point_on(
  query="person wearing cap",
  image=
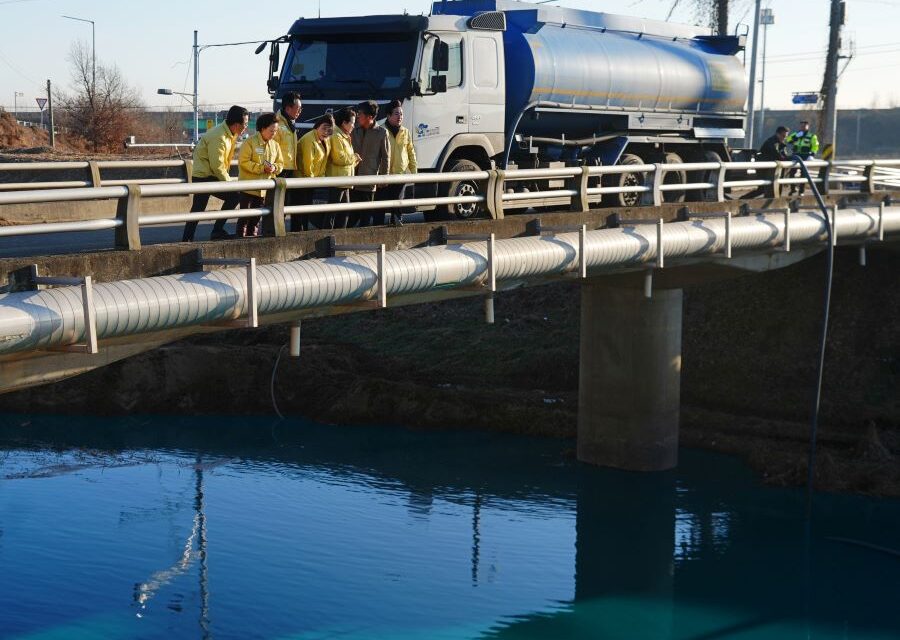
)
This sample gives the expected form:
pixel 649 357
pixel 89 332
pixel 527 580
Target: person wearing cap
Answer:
pixel 806 145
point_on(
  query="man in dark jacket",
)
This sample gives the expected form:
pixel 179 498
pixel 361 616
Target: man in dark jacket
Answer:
pixel 772 150
pixel 370 141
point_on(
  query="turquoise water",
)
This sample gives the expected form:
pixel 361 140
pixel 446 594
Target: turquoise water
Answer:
pixel 241 528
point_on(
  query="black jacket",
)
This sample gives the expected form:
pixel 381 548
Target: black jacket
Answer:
pixel 772 149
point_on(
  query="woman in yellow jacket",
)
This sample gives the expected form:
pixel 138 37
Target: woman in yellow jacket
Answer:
pixel 341 162
pixel 403 157
pixel 260 158
pixel 315 148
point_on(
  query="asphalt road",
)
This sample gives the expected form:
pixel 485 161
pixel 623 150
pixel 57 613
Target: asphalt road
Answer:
pixel 88 241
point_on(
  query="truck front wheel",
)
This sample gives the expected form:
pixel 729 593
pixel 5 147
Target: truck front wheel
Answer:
pixel 469 210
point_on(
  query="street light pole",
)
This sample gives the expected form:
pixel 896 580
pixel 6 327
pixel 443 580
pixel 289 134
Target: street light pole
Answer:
pixel 93 51
pixel 751 106
pixel 196 81
pixel 16 96
pixel 767 18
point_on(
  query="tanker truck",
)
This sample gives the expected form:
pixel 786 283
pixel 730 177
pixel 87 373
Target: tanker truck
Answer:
pixel 509 84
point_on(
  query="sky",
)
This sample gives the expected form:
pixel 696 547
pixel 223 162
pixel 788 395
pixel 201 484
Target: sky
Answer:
pixel 151 42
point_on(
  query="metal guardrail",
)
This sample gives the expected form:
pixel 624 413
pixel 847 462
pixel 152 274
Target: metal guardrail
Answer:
pixel 494 190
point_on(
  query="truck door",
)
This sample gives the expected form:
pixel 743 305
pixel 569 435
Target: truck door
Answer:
pixel 487 90
pixel 438 117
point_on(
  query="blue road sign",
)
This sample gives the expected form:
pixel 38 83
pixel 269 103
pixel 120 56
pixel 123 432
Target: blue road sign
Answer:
pixel 805 98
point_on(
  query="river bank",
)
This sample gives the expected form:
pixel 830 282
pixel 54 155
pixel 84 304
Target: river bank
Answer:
pixel 748 367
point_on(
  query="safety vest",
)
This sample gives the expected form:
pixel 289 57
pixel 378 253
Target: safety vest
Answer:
pixel 805 144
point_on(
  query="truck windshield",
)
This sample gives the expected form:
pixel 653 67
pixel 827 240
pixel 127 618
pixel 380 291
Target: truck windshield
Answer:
pixel 367 65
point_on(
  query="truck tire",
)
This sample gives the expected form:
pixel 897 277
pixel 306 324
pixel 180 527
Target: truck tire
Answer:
pixel 707 195
pixel 625 180
pixel 674 177
pixel 462 188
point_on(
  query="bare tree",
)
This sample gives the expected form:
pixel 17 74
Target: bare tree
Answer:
pixel 712 13
pixel 105 112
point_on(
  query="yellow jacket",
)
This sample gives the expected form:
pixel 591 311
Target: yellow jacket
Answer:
pixel 214 153
pixel 403 154
pixel 286 137
pixel 342 160
pixel 250 160
pixel 313 155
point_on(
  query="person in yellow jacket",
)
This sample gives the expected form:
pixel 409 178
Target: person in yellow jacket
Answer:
pixel 260 158
pixel 341 162
pixel 315 148
pixel 212 161
pixel 403 158
pixel 288 140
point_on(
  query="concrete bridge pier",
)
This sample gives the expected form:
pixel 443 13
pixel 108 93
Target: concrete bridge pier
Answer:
pixel 630 377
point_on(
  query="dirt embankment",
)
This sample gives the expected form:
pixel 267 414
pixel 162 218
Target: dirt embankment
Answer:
pixel 749 352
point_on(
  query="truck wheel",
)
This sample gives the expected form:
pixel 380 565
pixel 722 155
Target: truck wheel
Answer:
pixel 674 177
pixel 463 188
pixel 707 195
pixel 625 180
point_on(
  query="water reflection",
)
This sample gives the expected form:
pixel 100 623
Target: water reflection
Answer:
pixel 368 533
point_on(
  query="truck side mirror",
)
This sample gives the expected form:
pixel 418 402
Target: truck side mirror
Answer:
pixel 438 84
pixel 274 56
pixel 272 84
pixel 440 60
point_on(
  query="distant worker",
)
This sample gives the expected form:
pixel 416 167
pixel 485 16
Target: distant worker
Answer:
pixel 315 148
pixel 287 139
pixel 806 145
pixel 260 159
pixel 773 149
pixel 403 158
pixel 370 141
pixel 342 161
pixel 212 161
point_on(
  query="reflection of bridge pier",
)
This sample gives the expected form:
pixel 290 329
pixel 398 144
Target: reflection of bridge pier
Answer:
pixel 629 378
pixel 624 572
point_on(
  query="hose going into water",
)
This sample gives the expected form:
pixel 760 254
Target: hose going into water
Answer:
pixel 272 381
pixel 823 335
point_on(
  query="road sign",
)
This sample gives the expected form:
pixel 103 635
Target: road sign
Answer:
pixel 41 102
pixel 805 98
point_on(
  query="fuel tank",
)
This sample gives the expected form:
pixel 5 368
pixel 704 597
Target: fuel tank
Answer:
pixel 610 63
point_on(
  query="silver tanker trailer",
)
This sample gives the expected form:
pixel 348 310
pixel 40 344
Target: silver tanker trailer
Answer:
pixel 515 84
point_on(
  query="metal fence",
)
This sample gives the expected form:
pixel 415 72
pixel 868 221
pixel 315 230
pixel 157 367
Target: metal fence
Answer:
pixel 574 187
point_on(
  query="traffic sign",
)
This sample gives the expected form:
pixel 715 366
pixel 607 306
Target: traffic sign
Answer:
pixel 805 98
pixel 41 102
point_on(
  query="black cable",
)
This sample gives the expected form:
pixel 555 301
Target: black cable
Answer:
pixel 823 335
pixel 272 381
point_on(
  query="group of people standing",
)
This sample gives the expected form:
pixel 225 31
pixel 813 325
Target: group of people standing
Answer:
pixel 349 142
pixel 783 145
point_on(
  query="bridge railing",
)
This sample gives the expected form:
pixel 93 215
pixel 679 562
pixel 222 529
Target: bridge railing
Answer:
pixel 576 187
pixel 93 173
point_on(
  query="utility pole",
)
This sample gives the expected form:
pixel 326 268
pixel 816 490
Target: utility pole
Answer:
pixel 828 119
pixel 50 116
pixel 751 100
pixel 722 17
pixel 767 17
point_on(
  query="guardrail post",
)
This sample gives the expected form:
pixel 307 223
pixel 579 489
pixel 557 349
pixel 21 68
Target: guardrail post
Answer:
pixel 579 183
pixel 94 173
pixel 777 175
pixel 188 170
pixel 493 193
pixel 717 193
pixel 655 195
pixel 128 210
pixel 824 175
pixel 274 224
pixel 868 184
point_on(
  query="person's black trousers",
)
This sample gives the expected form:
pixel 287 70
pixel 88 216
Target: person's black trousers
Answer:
pixel 229 200
pixel 389 192
pixel 361 218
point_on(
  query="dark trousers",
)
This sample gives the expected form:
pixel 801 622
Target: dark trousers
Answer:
pixel 361 218
pixel 299 197
pixel 333 220
pixel 798 173
pixel 390 192
pixel 229 201
pixel 762 191
pixel 249 227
